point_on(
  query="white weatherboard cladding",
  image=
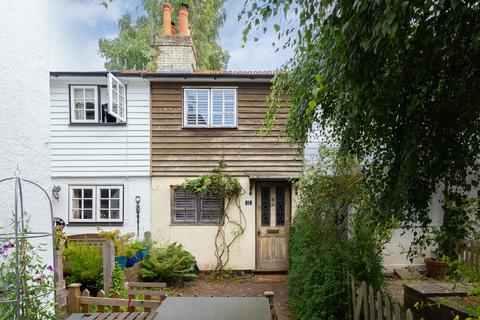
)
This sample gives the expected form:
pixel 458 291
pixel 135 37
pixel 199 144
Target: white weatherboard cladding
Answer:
pixel 100 150
pixel 132 187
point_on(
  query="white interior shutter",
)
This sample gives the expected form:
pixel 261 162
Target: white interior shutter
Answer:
pixel 117 98
pixel 224 107
pixel 196 107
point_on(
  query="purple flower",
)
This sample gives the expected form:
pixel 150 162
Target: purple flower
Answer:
pixel 8 246
pixel 39 278
pixel 50 268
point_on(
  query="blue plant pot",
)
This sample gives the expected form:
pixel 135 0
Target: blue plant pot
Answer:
pixel 122 261
pixel 131 261
pixel 142 253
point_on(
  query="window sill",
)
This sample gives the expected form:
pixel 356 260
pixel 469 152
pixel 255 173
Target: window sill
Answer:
pixel 186 224
pixel 209 128
pixel 109 124
pixel 93 224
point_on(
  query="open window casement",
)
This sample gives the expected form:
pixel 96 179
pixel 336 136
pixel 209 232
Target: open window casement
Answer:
pixel 117 99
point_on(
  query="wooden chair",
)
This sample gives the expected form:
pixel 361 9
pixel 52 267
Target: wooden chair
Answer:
pixel 147 290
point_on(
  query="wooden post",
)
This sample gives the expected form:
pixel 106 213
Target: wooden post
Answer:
pixel 108 265
pixel 269 296
pixel 101 294
pixel 147 236
pixel 84 307
pixel 73 305
pixel 116 308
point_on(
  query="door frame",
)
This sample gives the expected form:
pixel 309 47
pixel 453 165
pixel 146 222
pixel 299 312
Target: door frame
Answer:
pixel 289 190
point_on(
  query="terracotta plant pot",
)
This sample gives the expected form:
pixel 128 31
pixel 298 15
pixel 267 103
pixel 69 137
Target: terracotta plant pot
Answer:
pixel 436 268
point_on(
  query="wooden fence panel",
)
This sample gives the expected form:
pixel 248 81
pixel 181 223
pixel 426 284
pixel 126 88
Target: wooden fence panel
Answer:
pixel 375 305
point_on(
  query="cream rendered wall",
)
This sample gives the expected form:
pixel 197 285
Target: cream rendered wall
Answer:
pixel 200 240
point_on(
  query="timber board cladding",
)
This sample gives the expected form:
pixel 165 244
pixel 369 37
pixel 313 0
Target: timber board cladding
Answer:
pixel 185 152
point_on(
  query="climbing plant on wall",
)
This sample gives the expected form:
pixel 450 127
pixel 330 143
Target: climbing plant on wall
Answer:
pixel 225 186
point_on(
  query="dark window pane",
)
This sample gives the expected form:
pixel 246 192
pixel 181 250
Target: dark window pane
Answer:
pixel 115 193
pixel 280 206
pixel 265 195
pixel 104 214
pixel 104 193
pixel 104 204
pixel 87 193
pixel 87 214
pixel 90 115
pixel 115 214
pixel 88 204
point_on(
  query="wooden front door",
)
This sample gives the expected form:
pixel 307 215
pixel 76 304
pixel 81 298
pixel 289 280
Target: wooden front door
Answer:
pixel 273 220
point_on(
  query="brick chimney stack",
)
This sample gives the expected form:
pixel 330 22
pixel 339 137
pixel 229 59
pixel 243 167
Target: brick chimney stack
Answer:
pixel 175 51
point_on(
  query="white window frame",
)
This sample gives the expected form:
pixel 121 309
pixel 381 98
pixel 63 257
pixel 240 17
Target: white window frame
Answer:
pixel 72 103
pixel 210 108
pixel 114 86
pixel 95 203
pixel 98 215
pixel 71 217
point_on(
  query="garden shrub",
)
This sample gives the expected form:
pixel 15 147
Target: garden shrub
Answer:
pixel 168 263
pixel 334 233
pixel 83 263
pixel 118 281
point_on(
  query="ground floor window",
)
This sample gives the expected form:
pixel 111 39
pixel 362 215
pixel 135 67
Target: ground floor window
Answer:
pixel 195 208
pixel 96 203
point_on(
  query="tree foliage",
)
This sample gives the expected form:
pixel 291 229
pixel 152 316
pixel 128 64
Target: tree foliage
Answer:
pixel 395 83
pixel 334 233
pixel 132 50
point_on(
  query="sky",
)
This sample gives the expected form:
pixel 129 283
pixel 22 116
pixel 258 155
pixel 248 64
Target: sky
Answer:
pixel 76 26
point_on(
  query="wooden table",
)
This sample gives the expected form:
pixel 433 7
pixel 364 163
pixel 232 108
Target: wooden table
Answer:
pixel 214 308
pixel 110 316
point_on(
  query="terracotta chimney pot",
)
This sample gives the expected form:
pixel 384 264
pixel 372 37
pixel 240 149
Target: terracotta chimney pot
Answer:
pixel 183 20
pixel 167 19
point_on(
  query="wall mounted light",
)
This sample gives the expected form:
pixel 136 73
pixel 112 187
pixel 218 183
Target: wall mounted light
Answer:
pixel 55 192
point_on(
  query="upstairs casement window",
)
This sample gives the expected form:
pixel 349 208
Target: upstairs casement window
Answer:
pixel 99 104
pixel 195 208
pixel 91 204
pixel 210 108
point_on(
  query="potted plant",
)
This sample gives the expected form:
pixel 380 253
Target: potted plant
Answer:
pixel 121 245
pixel 436 268
pixel 141 248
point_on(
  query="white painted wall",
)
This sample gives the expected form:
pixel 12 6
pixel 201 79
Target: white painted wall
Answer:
pixel 93 150
pixel 24 100
pixel 102 155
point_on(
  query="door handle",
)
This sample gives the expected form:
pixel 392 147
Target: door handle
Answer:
pixel 258 233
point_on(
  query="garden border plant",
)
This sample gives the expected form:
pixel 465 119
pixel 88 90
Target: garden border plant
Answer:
pixel 228 188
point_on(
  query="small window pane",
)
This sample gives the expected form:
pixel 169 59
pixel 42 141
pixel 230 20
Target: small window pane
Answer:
pixel 115 214
pixel 265 197
pixel 114 204
pixel 104 204
pixel 77 193
pixel 87 214
pixel 79 115
pixel 104 214
pixel 88 204
pixel 104 193
pixel 90 105
pixel 280 206
pixel 79 104
pixel 90 115
pixel 77 214
pixel 89 93
pixel 76 203
pixel 115 193
pixel 87 193
pixel 78 93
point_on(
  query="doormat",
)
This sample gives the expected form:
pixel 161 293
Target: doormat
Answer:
pixel 270 278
